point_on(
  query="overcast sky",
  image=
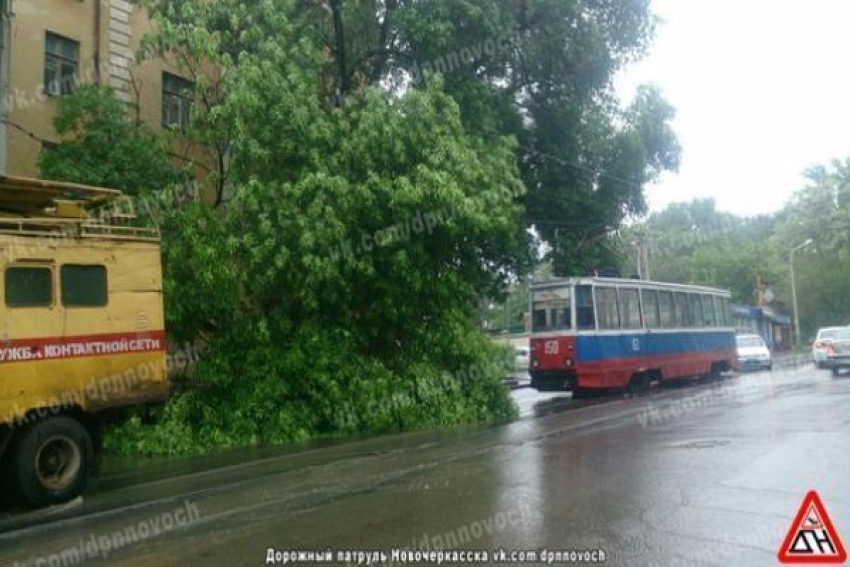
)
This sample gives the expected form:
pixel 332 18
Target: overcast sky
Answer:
pixel 761 90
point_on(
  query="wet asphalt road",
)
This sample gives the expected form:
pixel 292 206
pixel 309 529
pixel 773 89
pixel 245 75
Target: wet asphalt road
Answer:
pixel 707 474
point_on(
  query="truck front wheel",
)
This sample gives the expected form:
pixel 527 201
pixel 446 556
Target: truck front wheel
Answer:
pixel 52 461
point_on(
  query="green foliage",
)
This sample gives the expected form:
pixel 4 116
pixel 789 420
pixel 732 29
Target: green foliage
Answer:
pixel 335 288
pixel 102 145
pixel 820 211
pixel 316 384
pixel 541 72
pixel 365 203
pixel 695 243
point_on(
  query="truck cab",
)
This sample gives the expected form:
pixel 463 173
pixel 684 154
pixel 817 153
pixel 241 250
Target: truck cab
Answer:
pixel 81 330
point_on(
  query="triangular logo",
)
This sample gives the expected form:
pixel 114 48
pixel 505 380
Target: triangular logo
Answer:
pixel 812 537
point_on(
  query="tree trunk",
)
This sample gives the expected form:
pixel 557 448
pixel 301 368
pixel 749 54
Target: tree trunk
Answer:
pixel 380 62
pixel 339 33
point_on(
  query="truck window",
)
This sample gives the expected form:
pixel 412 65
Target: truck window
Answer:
pixel 84 286
pixel 29 286
pixel 585 317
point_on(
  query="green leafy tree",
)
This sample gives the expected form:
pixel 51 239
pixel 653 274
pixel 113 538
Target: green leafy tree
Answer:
pixel 821 212
pixel 697 244
pixel 540 71
pixel 335 286
pixel 102 145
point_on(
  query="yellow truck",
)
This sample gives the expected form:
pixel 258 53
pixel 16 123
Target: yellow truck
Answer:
pixel 81 330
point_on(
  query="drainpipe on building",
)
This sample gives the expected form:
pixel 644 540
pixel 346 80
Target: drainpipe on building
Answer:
pixel 5 59
pixel 97 24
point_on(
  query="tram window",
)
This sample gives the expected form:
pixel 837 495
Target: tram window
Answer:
pixel 696 309
pixel 560 316
pixel 606 308
pixel 585 317
pixel 538 320
pixel 551 308
pixel 708 319
pixel 727 312
pixel 718 312
pixel 683 310
pixel 666 310
pixel 630 309
pixel 650 308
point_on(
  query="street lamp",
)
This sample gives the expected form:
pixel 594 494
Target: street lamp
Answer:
pixel 796 329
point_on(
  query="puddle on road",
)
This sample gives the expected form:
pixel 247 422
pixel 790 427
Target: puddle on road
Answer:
pixel 559 405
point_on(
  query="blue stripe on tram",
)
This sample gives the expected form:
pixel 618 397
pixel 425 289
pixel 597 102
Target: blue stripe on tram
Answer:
pixel 596 348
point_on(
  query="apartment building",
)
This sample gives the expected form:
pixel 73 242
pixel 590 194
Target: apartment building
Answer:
pixel 50 46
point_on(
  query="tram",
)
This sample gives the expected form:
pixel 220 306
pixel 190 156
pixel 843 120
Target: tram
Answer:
pixel 595 335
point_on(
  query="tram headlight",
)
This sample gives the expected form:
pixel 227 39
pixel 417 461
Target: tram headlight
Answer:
pixel 568 362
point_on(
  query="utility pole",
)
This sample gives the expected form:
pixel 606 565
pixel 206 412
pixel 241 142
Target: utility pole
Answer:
pixel 796 329
pixel 639 260
pixel 642 259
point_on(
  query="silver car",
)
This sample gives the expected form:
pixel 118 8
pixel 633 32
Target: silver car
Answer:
pixel 823 338
pixel 838 351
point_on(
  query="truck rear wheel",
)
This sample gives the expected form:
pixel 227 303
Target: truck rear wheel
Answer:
pixel 52 461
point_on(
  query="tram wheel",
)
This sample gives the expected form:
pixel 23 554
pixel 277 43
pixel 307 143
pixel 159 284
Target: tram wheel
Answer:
pixel 639 385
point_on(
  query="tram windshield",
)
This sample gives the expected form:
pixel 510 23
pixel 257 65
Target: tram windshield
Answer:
pixel 551 309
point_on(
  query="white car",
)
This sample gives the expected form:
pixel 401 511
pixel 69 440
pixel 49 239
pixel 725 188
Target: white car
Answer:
pixel 824 337
pixel 519 374
pixel 521 359
pixel 753 354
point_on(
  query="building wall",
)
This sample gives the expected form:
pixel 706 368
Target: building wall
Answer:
pixel 106 56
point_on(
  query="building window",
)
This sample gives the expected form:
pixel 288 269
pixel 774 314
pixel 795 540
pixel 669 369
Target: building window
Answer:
pixel 29 286
pixel 177 94
pixel 61 57
pixel 84 286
